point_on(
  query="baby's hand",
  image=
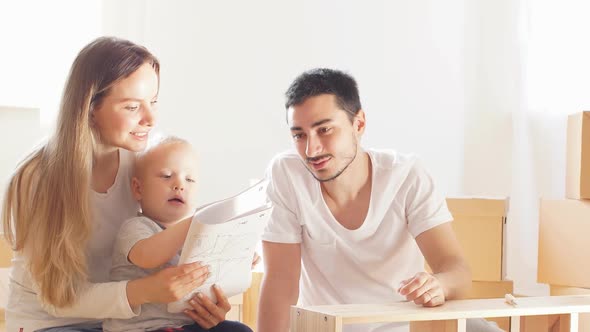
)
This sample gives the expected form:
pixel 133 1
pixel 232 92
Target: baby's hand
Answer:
pixel 255 260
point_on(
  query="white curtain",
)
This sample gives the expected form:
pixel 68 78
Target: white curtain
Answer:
pixel 531 71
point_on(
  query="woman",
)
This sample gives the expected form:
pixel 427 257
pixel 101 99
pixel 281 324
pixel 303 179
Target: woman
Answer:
pixel 65 202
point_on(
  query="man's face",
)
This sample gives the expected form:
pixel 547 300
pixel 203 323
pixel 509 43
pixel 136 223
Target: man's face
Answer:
pixel 325 138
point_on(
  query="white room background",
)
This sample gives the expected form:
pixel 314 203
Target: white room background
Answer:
pixel 479 90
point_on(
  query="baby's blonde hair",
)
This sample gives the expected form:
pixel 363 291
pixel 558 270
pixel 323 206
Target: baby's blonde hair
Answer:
pixel 143 155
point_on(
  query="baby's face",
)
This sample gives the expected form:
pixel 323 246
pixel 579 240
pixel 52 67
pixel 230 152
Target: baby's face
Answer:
pixel 166 183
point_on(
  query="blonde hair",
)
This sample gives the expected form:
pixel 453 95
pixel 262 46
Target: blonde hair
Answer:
pixel 46 212
pixel 141 157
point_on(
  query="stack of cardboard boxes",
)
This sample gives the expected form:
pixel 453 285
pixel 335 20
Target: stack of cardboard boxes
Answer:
pixel 480 226
pixel 564 225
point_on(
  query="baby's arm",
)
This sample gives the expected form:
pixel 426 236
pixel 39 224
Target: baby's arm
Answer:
pixel 160 248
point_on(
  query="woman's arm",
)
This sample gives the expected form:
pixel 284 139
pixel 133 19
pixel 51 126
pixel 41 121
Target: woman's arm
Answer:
pixel 206 313
pixel 160 248
pixel 97 301
pixel 451 275
pixel 122 299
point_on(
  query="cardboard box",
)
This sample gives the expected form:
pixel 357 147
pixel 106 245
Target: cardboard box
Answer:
pixel 5 257
pixel 5 252
pixel 564 252
pixel 251 299
pixel 541 323
pixel 479 226
pixel 577 173
pixel 584 319
pixel 492 290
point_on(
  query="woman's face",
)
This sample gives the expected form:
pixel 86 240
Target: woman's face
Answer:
pixel 126 114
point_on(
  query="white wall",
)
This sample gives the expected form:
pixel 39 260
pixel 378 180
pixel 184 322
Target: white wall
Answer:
pixel 224 71
pixel 226 65
pixel 39 40
pixel 19 133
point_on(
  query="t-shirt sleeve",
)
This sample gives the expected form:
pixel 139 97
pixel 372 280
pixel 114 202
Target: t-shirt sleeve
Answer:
pixel 283 225
pixel 426 208
pixel 131 232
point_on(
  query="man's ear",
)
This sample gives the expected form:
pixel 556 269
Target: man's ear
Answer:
pixel 136 188
pixel 360 122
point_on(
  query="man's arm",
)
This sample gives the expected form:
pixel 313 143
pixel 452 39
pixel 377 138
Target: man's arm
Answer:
pixel 445 257
pixel 159 248
pixel 280 286
pixel 451 276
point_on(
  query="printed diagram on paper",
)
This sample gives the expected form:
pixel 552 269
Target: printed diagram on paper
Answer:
pixel 227 248
pixel 224 235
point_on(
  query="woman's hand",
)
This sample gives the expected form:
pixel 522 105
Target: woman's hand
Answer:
pixel 168 285
pixel 424 289
pixel 206 313
pixel 255 260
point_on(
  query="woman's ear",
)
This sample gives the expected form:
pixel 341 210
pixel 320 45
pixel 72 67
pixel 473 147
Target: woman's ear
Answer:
pixel 136 188
pixel 91 117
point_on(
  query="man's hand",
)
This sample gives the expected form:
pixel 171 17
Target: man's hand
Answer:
pixel 424 289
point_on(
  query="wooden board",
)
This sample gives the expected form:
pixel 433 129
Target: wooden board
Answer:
pixel 251 298
pixel 458 309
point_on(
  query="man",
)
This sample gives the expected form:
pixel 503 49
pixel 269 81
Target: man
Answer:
pixel 351 225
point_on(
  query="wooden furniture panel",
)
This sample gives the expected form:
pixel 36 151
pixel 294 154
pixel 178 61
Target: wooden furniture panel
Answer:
pixel 332 318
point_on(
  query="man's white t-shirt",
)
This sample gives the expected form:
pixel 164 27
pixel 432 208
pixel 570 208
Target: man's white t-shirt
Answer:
pixel 365 265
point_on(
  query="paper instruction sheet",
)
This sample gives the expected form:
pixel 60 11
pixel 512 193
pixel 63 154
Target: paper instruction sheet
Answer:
pixel 224 235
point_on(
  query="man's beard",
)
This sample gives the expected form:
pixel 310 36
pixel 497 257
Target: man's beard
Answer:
pixel 350 160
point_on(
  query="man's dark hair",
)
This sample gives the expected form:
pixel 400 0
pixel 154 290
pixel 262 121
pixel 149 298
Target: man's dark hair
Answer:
pixel 325 81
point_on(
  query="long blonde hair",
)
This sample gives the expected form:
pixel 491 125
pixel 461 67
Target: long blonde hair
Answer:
pixel 46 212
